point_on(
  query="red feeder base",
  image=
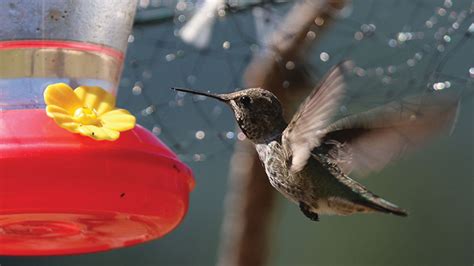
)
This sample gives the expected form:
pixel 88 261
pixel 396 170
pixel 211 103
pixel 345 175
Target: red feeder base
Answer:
pixel 62 193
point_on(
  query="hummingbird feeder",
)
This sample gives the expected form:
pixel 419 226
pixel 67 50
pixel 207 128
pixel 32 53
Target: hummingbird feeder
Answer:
pixel 76 174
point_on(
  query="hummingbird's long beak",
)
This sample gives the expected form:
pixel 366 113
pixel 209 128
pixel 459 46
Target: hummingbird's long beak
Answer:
pixel 219 97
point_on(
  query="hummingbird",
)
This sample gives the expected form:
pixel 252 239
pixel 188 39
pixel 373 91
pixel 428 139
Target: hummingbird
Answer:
pixel 309 159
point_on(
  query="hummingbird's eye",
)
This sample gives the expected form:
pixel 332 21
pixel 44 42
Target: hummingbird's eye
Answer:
pixel 245 100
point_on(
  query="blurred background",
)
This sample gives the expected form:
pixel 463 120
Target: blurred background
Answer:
pixel 399 48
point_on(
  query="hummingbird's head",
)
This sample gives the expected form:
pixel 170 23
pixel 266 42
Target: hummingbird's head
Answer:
pixel 257 111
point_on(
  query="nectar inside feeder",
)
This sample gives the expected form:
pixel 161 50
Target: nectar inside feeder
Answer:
pixel 76 175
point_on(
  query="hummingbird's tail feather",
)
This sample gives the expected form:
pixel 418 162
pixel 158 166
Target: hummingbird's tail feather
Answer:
pixel 361 196
pixel 378 204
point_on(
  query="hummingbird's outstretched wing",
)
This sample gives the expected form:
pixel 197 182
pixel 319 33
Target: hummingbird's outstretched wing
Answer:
pixel 306 128
pixel 368 141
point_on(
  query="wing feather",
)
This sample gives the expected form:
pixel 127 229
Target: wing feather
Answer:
pixel 368 141
pixel 306 129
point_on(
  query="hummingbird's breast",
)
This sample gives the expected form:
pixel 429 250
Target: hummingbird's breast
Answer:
pixel 274 159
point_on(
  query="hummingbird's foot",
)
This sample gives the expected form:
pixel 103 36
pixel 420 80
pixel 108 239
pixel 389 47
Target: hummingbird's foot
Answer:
pixel 306 211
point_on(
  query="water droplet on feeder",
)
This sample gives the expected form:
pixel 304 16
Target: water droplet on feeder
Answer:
pixel 229 135
pixel 311 35
pixel 441 12
pixel 319 21
pixel 148 111
pixel 324 56
pixel 170 57
pixel 418 56
pixel 290 65
pixel 391 69
pixel 136 90
pixel 392 43
pixel 200 135
pixel 402 37
pixel 181 5
pixel 367 29
pixel 358 35
pixel 156 130
pixel 199 157
pixel 181 18
pixel 448 3
pixel 364 28
pixel 439 86
pixel 226 45
pixel 221 12
pixel 241 136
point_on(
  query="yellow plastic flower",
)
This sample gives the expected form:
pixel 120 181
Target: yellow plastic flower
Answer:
pixel 89 111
